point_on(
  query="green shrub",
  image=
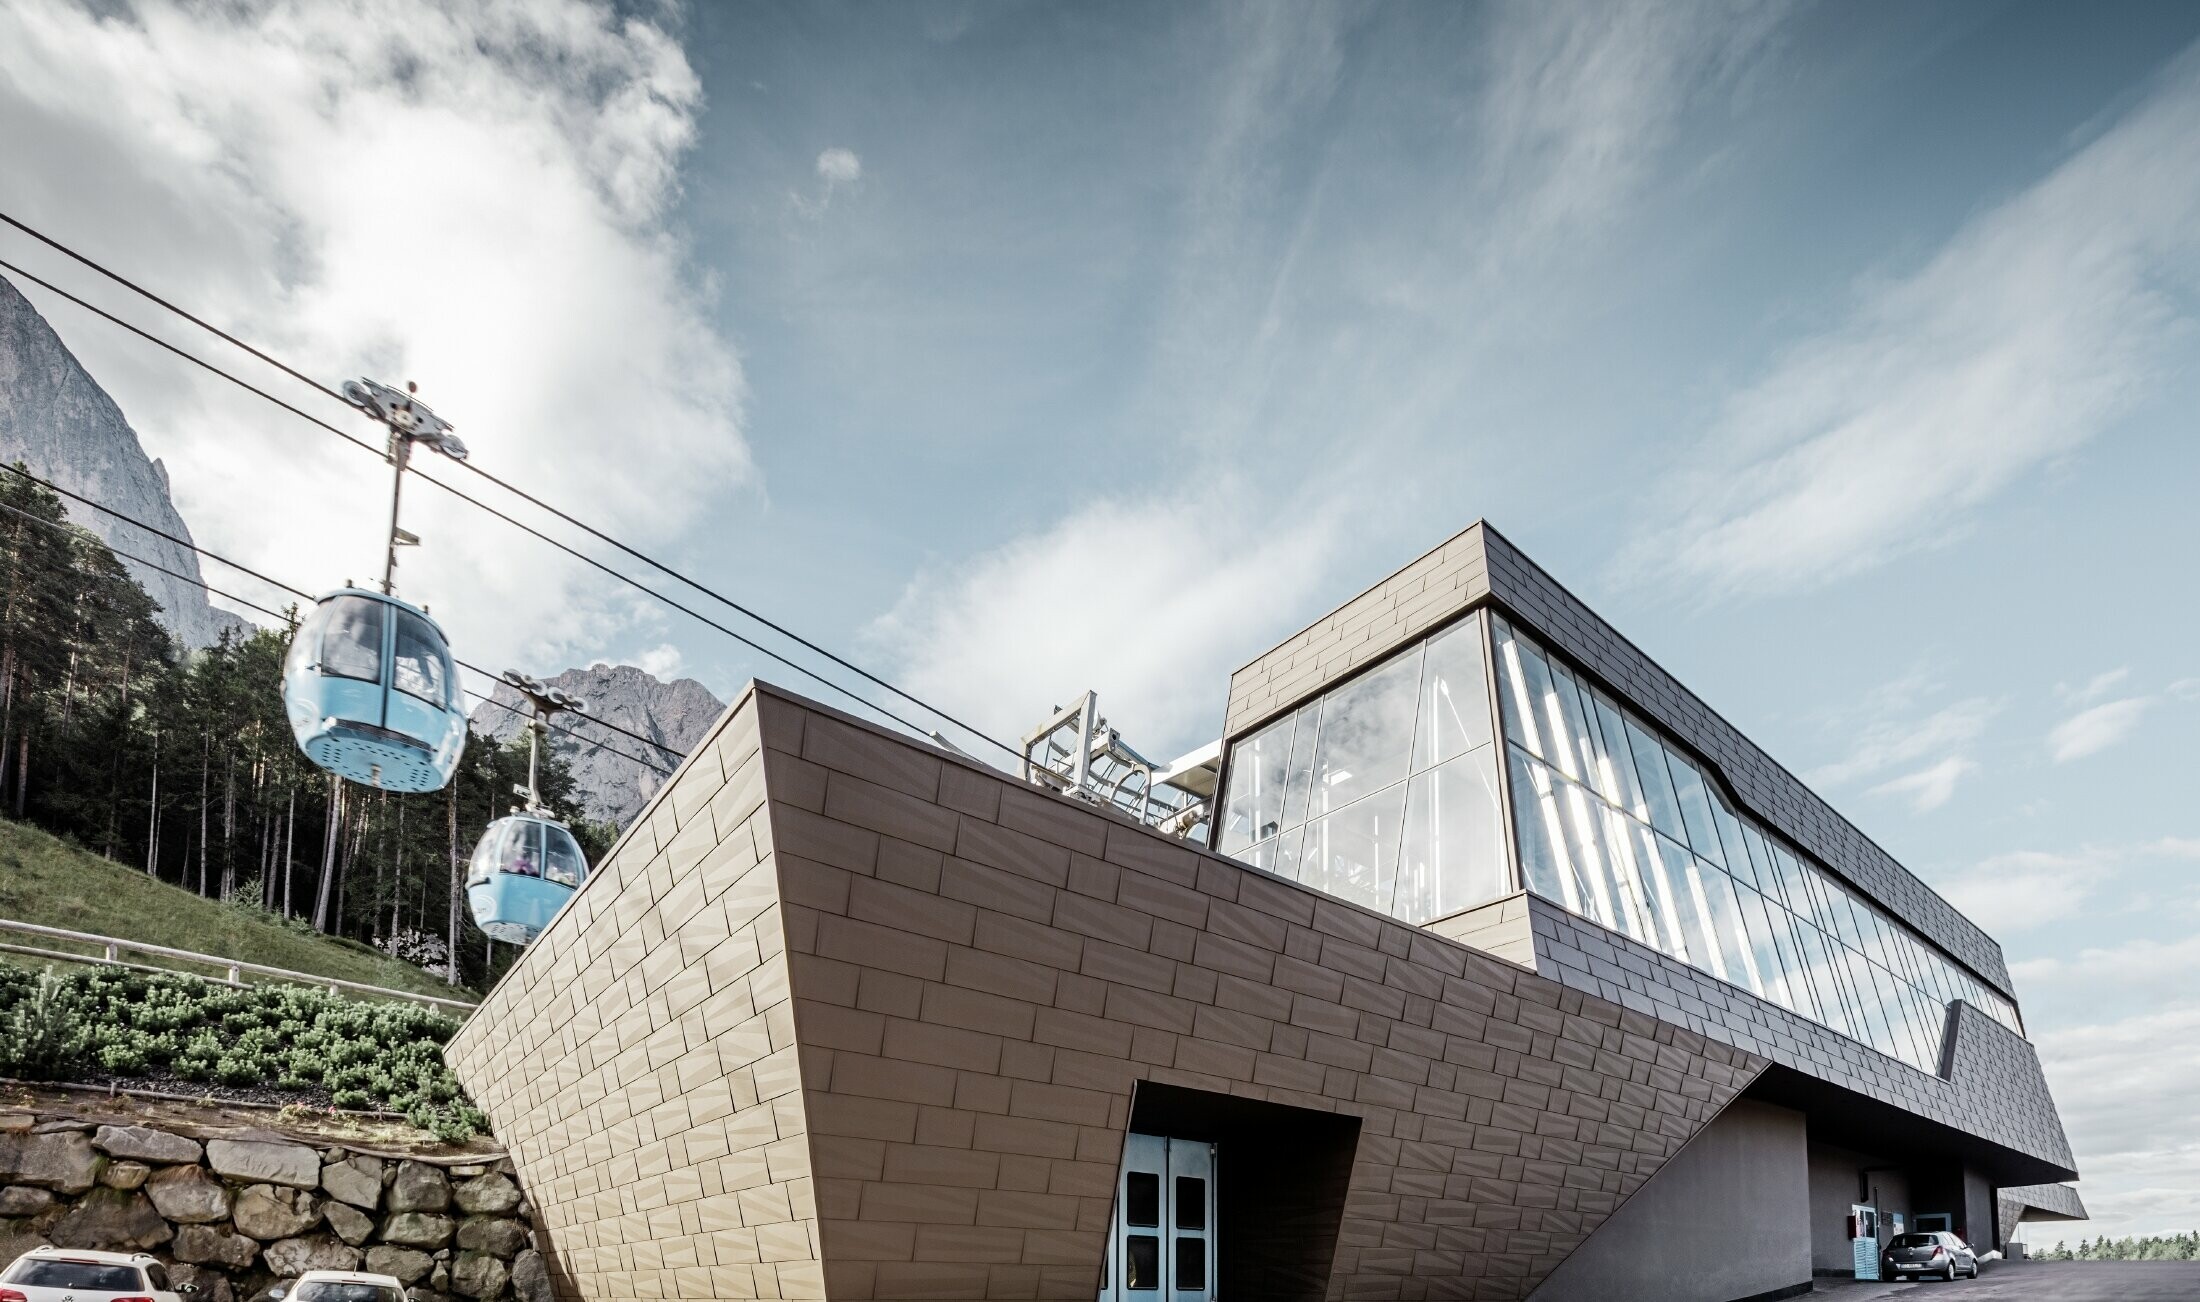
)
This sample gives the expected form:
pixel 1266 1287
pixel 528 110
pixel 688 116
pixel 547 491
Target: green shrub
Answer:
pixel 45 1029
pixel 366 1055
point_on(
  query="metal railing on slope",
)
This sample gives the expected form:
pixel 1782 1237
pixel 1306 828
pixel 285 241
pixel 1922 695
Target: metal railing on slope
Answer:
pixel 113 947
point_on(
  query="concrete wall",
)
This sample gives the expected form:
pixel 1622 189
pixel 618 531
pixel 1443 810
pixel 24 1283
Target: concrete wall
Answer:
pixel 1728 1217
pixel 1837 1177
pixel 917 1083
pixel 1833 1190
pixel 1977 1223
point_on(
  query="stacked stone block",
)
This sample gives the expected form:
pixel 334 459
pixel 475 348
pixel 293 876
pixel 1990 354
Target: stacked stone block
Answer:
pixel 235 1214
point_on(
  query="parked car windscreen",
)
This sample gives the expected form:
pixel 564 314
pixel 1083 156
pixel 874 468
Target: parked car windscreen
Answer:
pixel 329 1290
pixel 90 1276
pixel 1914 1241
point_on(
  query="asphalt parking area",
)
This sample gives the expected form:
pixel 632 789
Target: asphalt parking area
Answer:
pixel 2045 1281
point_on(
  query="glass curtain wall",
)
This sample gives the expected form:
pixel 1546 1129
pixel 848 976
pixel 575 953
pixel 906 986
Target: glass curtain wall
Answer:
pixel 1383 791
pixel 1622 828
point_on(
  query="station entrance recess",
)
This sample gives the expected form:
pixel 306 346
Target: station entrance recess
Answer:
pixel 1161 1247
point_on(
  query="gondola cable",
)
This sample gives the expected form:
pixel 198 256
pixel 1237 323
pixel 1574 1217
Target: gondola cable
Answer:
pixel 506 485
pixel 301 594
pixel 476 502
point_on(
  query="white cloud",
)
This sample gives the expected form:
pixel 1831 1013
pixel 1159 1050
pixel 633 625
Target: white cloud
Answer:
pixel 661 661
pixel 2091 731
pixel 1928 788
pixel 1004 638
pixel 2125 1093
pixel 1886 743
pixel 837 169
pixel 2138 973
pixel 2028 334
pixel 837 166
pixel 2095 687
pixel 473 197
pixel 2185 689
pixel 1579 105
pixel 2019 891
pixel 1570 120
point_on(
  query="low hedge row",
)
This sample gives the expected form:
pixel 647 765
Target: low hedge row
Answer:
pixel 358 1055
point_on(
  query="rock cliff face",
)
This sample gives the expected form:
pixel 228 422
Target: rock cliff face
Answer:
pixel 62 426
pixel 232 1214
pixel 613 790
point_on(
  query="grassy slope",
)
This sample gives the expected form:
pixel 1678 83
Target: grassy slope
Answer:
pixel 48 882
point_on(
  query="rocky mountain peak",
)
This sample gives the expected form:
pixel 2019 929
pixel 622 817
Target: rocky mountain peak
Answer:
pixel 63 427
pixel 675 714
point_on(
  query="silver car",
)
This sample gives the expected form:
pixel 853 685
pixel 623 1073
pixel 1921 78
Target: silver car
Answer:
pixel 1935 1252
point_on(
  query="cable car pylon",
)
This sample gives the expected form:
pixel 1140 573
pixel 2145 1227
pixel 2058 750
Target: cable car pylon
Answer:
pixel 527 864
pixel 369 684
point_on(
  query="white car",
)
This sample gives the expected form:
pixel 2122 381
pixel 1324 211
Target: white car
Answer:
pixel 336 1286
pixel 81 1275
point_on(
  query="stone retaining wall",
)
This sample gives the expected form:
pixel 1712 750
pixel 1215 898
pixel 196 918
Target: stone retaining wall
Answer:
pixel 234 1215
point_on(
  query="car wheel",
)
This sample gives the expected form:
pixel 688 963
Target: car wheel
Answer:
pixel 1951 1272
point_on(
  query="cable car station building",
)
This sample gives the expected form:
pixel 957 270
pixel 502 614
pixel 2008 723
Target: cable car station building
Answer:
pixel 1514 972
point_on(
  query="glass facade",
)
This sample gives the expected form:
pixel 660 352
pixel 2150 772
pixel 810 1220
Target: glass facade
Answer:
pixel 1384 791
pixel 1619 826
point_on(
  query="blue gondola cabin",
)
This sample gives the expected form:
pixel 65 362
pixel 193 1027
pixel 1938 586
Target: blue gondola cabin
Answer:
pixel 523 871
pixel 372 693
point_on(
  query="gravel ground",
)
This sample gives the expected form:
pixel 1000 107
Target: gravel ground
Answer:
pixel 2043 1281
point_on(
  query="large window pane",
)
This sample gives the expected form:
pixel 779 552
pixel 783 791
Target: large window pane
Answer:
pixel 1585 851
pixel 1800 996
pixel 1353 853
pixel 1791 880
pixel 1730 836
pixel 1516 698
pixel 1876 1031
pixel 1569 725
pixel 1657 782
pixel 1277 854
pixel 1726 924
pixel 1619 776
pixel 1535 824
pixel 1762 862
pixel 1703 833
pixel 1833 1004
pixel 351 645
pixel 1298 778
pixel 1678 886
pixel 1771 968
pixel 422 663
pixel 1630 881
pixel 1252 809
pixel 1367 734
pixel 1455 710
pixel 1658 890
pixel 1454 852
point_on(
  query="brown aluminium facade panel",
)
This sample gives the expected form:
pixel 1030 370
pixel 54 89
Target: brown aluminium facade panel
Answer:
pixel 639 1060
pixel 978 972
pixel 1479 564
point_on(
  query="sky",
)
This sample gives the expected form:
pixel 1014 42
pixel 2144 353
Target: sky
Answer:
pixel 1839 355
